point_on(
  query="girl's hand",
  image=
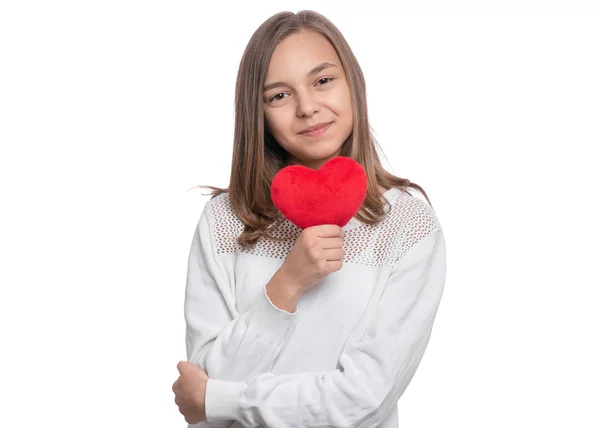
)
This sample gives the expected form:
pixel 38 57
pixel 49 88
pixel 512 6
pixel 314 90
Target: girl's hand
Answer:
pixel 317 253
pixel 190 392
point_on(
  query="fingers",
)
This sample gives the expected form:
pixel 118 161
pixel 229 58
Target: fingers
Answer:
pixel 329 231
pixel 329 243
pixel 334 254
pixel 334 265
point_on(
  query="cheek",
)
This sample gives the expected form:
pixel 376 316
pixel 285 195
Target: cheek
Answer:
pixel 342 103
pixel 277 124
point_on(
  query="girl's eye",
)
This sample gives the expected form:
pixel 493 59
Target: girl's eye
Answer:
pixel 329 79
pixel 274 97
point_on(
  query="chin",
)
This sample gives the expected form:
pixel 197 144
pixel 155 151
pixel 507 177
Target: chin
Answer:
pixel 316 151
pixel 316 157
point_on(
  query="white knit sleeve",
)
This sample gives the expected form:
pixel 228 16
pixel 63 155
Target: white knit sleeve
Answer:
pixel 226 344
pixel 374 369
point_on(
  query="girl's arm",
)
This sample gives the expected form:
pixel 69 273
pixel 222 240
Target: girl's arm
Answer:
pixel 226 344
pixel 373 371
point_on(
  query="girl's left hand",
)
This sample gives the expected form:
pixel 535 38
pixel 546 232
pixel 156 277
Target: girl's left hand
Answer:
pixel 190 392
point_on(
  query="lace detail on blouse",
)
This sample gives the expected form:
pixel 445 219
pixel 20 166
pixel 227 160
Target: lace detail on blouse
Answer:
pixel 408 221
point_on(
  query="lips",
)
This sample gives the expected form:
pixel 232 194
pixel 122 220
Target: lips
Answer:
pixel 317 133
pixel 316 128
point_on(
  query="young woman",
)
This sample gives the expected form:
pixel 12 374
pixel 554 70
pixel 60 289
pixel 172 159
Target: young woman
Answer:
pixel 321 327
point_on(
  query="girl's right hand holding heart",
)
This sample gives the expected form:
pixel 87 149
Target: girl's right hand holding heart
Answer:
pixel 318 251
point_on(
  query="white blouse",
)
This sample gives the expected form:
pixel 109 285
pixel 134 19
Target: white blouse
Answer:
pixel 351 348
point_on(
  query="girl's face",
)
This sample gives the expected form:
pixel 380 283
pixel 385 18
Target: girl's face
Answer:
pixel 306 86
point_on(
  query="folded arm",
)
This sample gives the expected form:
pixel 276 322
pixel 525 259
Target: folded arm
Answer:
pixel 373 371
pixel 226 344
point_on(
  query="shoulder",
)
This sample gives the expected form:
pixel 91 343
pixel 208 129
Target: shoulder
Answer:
pixel 410 219
pixel 415 211
pixel 224 224
pixel 219 205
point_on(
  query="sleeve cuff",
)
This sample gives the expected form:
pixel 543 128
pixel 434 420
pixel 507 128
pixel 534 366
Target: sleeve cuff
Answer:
pixel 267 320
pixel 222 400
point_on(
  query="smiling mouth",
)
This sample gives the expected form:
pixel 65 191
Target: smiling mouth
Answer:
pixel 316 132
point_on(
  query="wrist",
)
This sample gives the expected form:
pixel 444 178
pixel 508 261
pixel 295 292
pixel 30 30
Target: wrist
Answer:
pixel 282 292
pixel 288 283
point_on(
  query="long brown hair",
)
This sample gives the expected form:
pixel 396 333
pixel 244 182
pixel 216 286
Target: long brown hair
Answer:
pixel 257 157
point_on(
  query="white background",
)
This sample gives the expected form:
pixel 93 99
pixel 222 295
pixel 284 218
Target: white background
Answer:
pixel 110 111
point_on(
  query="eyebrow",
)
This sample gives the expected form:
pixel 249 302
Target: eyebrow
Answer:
pixel 315 70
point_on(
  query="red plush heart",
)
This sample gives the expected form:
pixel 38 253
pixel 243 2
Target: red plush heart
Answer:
pixel 333 194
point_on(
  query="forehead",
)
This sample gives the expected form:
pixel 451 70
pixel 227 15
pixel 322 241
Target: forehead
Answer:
pixel 300 52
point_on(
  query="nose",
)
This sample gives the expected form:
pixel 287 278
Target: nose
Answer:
pixel 307 104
